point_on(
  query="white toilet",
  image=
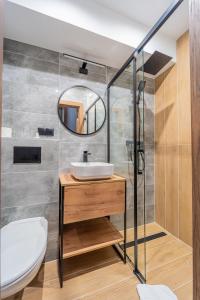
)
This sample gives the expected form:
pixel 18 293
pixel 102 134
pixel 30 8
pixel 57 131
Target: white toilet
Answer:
pixel 23 247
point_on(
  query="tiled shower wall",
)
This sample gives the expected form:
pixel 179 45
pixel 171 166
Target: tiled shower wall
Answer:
pixel 33 79
pixel 121 107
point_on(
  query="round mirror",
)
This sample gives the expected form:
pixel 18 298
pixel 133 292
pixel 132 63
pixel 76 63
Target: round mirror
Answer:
pixel 81 110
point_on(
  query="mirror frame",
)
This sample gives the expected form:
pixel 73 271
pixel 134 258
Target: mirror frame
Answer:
pixel 81 134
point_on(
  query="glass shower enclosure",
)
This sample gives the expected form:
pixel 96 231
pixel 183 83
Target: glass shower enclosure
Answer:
pixel 126 151
pixel 126 145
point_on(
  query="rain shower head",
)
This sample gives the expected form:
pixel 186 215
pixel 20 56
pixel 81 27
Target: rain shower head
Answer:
pixel 155 63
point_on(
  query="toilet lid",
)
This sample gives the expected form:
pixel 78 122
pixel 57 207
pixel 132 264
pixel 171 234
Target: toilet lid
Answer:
pixel 22 244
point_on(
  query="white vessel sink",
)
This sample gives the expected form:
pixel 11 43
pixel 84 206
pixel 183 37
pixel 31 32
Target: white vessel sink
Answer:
pixel 91 170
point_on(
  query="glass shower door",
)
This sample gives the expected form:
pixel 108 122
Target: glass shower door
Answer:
pixel 139 169
pixel 126 152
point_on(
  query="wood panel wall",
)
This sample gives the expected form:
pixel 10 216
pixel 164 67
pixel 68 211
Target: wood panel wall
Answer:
pixel 173 175
pixel 194 27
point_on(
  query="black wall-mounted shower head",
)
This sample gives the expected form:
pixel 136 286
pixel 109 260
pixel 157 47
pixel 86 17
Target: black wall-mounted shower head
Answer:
pixel 83 69
pixel 141 87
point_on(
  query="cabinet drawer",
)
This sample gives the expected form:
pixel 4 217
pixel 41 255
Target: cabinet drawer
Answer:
pixel 88 201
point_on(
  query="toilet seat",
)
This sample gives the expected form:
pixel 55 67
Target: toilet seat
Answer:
pixel 23 246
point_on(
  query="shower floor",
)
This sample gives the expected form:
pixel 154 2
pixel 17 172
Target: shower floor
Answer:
pixel 166 253
pixel 101 275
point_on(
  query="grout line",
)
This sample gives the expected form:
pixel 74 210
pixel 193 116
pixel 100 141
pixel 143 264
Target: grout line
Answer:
pixel 171 261
pixel 98 291
pixel 178 121
pixel 30 112
pixel 33 139
pixel 165 154
pixel 154 149
pixel 182 285
pixel 32 171
pixel 72 70
pixel 31 205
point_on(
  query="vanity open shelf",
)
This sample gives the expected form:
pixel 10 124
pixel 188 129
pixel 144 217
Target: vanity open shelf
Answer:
pixel 85 208
pixel 86 236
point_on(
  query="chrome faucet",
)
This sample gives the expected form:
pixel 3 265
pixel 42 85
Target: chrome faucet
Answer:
pixel 85 156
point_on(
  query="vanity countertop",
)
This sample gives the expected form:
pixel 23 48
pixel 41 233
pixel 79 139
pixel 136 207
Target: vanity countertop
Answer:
pixel 67 179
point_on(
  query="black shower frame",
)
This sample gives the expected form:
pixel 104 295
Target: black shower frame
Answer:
pixel 133 58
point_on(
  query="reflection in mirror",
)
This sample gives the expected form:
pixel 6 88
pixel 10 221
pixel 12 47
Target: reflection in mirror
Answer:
pixel 81 110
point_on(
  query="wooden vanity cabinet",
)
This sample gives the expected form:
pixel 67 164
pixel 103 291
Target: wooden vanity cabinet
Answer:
pixel 93 199
pixel 84 210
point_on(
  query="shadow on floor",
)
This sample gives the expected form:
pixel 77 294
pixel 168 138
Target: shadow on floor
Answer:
pixel 47 276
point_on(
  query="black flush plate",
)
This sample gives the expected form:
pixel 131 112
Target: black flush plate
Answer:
pixel 26 155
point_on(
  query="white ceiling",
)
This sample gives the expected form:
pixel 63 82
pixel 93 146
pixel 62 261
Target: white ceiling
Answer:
pixel 31 27
pixel 147 12
pixel 105 31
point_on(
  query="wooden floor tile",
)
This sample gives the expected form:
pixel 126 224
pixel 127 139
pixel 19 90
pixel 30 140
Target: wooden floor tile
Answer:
pixel 101 275
pixel 126 290
pixel 174 274
pixel 185 292
pixel 161 252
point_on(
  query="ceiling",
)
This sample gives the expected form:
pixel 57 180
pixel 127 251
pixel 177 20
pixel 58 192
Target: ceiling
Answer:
pixel 98 30
pixel 147 12
pixel 40 29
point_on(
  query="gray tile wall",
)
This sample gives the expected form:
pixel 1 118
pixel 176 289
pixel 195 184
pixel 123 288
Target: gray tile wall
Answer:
pixel 121 98
pixel 33 80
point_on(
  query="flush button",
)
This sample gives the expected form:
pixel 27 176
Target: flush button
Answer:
pixel 26 155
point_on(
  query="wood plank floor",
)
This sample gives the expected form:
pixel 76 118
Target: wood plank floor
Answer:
pixel 101 275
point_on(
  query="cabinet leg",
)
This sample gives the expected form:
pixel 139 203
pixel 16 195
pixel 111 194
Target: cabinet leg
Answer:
pixel 60 262
pixel 125 238
pixel 125 224
pixel 61 271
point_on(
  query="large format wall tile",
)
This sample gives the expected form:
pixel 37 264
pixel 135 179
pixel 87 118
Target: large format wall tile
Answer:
pixel 33 81
pixel 42 73
pixel 74 65
pixel 92 77
pixel 32 51
pixel 149 126
pixel 50 211
pixel 26 124
pixel 122 130
pixel 68 137
pixel 49 155
pixel 28 188
pixel 25 69
pixel 14 69
pixel 73 152
pixel 19 96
